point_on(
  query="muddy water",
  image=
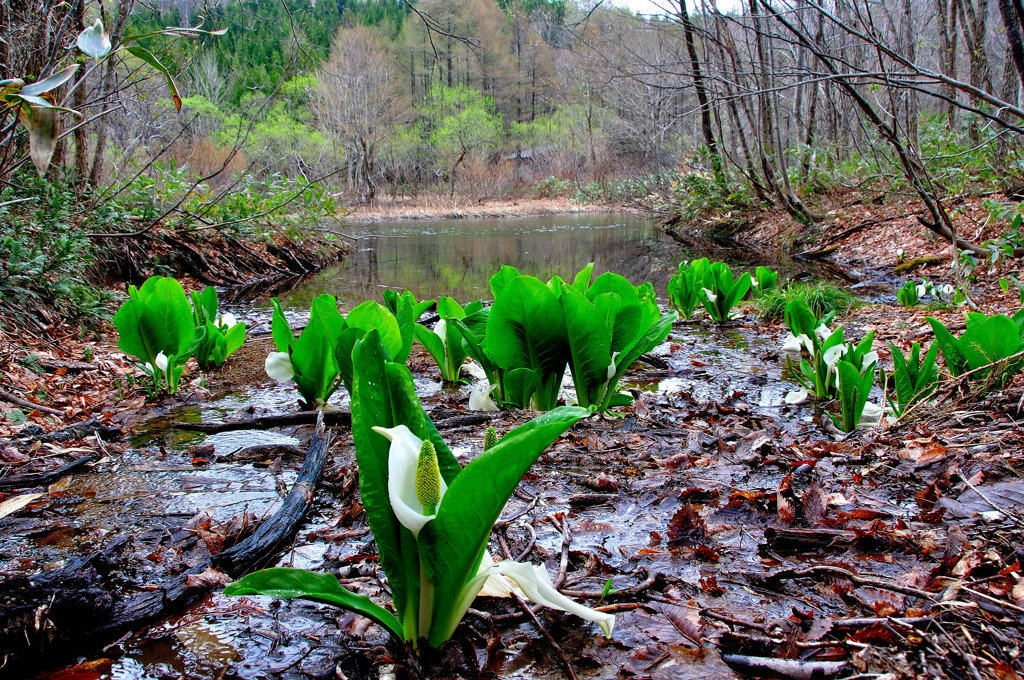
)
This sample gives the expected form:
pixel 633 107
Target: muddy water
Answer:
pixel 679 418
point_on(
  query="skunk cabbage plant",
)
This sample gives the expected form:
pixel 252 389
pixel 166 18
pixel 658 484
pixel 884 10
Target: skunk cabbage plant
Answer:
pixel 825 347
pixel 222 335
pixel 908 294
pixel 320 359
pixel 155 325
pixel 684 286
pixel 914 379
pixel 854 387
pixel 431 519
pixel 445 342
pixel 986 340
pixel 764 279
pixel 721 292
pixel 609 324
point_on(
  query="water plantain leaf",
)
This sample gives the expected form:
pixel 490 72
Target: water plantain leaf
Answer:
pixel 286 583
pixel 456 539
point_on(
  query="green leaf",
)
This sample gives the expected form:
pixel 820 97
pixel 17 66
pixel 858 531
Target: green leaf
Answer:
pixel 137 331
pixel 800 318
pixel 526 329
pixel 452 544
pixel 518 386
pixel 279 328
pixel 287 583
pixel 501 279
pixel 588 327
pixel 956 362
pixel 989 340
pixel 147 56
pixel 372 315
pixel 172 313
pixel 51 83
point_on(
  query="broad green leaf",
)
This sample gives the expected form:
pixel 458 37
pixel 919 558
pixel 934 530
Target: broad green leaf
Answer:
pixel 800 318
pixel 288 583
pixel 501 279
pixel 431 342
pixel 51 83
pixel 371 315
pixel 279 328
pixel 588 327
pixel 629 316
pixel 518 387
pixel 171 312
pixel 137 330
pixel 234 338
pixel 956 362
pixel 581 282
pixel 452 544
pixel 989 340
pixel 148 57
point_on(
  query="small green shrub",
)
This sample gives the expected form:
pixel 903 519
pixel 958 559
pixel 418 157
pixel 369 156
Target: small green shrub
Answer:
pixel 823 297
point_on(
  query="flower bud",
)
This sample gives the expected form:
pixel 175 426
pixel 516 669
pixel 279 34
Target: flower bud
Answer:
pixel 490 439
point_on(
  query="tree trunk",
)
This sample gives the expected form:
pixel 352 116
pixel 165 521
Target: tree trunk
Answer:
pixel 107 85
pixel 1013 21
pixel 702 94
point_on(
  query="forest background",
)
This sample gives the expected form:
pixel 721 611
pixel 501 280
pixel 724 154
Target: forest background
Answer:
pixel 299 108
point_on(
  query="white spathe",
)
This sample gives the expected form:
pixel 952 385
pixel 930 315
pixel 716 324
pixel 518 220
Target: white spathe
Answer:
pixel 161 364
pixel 226 320
pixel 797 396
pixel 922 290
pixel 279 366
pixel 869 358
pixel 480 399
pixel 823 332
pixel 833 354
pixel 403 456
pixel 794 343
pixel 474 370
pixel 441 331
pixel 872 414
pixel 712 298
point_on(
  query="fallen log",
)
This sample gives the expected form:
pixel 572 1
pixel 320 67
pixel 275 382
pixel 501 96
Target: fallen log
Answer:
pixel 796 669
pixel 257 550
pixel 32 406
pixel 267 422
pixel 800 540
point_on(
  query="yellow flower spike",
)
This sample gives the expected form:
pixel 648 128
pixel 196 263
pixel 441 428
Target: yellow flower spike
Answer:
pixel 428 478
pixel 490 439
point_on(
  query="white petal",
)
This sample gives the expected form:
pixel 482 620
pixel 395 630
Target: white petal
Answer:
pixel 797 396
pixel 161 361
pixel 899 252
pixel 536 583
pixel 496 585
pixel 833 354
pixel 480 399
pixel 402 458
pixel 869 358
pixel 611 366
pixel 753 283
pixel 226 320
pixel 440 329
pixel 279 366
pixel 808 343
pixel 872 414
pixel 711 296
pixel 792 344
pixel 921 291
pixel 823 332
pixel 474 370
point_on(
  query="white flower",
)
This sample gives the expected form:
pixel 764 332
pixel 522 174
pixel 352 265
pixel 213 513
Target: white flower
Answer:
pixel 226 320
pixel 947 289
pixel 922 290
pixel 611 366
pixel 161 365
pixel 869 358
pixel 474 370
pixel 872 414
pixel 833 354
pixel 534 581
pixel 753 283
pixel 899 253
pixel 711 296
pixel 403 456
pixel 793 343
pixel 480 399
pixel 797 396
pixel 440 330
pixel 279 366
pixel 823 332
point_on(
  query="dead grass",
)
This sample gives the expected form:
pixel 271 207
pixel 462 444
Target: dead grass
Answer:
pixel 443 207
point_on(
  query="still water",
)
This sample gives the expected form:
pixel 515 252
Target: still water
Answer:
pixel 458 257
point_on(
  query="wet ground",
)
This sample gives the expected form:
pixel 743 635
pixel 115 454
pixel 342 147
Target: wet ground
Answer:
pixel 728 525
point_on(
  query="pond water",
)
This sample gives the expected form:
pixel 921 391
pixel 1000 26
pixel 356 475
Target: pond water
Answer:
pixel 457 258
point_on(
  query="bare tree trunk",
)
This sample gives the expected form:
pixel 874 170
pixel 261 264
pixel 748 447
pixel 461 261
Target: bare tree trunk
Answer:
pixel 945 10
pixel 81 138
pixel 107 86
pixel 702 93
pixel 1013 21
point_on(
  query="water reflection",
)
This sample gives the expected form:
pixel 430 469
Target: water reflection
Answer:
pixel 458 257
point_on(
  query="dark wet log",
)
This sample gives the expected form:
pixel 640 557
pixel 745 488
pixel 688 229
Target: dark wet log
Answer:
pixel 262 452
pixel 278 531
pixel 52 365
pixel 591 498
pixel 24 403
pixel 767 667
pixel 799 540
pixel 654 361
pixel 474 418
pixel 267 422
pixel 82 430
pixel 30 480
